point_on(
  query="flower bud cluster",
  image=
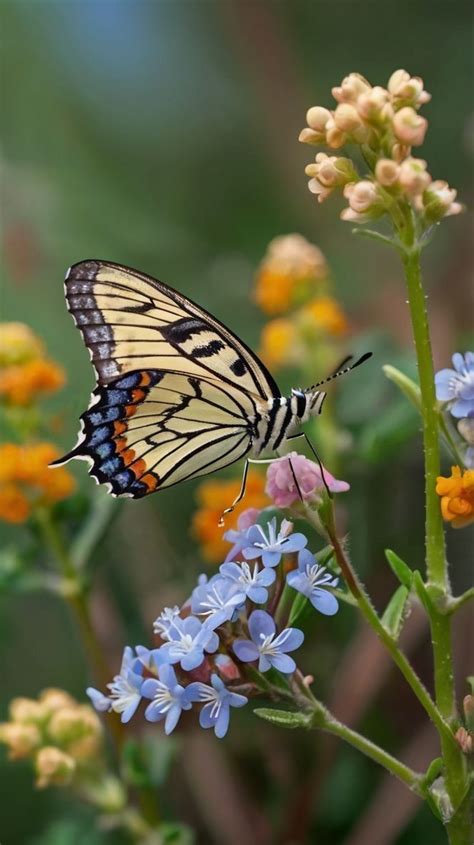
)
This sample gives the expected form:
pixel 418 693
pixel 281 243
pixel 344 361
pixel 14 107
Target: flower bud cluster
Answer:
pixel 60 736
pixel 385 124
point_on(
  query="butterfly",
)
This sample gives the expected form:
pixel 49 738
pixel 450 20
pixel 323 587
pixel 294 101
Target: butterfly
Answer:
pixel 178 394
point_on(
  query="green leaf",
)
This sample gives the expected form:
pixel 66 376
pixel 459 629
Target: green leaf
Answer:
pixel 407 386
pixel 284 718
pixel 147 763
pixel 299 609
pixel 400 569
pixel 173 833
pixel 434 769
pixel 395 612
pixel 103 510
pixel 422 592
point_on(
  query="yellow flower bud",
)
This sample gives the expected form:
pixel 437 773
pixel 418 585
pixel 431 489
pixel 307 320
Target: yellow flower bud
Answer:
pixel 317 118
pixel 386 172
pixel 53 767
pixel 72 723
pixel 28 711
pixel 55 699
pixel 409 127
pixel 351 88
pixel 18 344
pixel 21 739
pixel 413 176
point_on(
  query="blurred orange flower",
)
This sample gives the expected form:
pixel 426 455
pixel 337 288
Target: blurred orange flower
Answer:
pixel 290 271
pixel 326 314
pixel 277 342
pixel 213 497
pixel 24 370
pixel 457 497
pixel 26 479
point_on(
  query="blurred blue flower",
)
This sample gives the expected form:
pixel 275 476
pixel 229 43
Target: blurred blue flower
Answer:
pixel 253 583
pixel 168 698
pixel 271 545
pixel 217 701
pixel 219 599
pixel 238 536
pixel 188 640
pixel 312 581
pixel 165 621
pixel 268 649
pixel 125 689
pixel 457 385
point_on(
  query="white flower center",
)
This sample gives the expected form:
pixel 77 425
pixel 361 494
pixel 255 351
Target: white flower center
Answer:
pixel 163 697
pixel 317 575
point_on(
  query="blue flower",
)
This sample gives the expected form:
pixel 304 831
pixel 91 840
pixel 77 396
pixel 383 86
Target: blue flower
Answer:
pixel 253 583
pixel 125 689
pixel 168 698
pixel 270 546
pixel 188 640
pixel 165 621
pixel 238 536
pixel 217 701
pixel 457 385
pixel 268 649
pixel 312 581
pixel 220 600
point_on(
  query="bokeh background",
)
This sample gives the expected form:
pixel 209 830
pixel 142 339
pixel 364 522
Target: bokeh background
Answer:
pixel 163 135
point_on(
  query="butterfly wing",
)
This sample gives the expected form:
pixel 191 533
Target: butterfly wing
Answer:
pixel 130 321
pixel 150 429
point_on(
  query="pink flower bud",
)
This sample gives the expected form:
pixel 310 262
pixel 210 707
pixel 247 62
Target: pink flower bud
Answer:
pixel 53 766
pixel 281 483
pixel 329 172
pixel 371 105
pixel 346 117
pixel 413 177
pixel 409 127
pixel 438 201
pixel 362 195
pixel 386 172
pixel 335 138
pixel 407 89
pixel 308 136
pixel 351 88
pixel 317 118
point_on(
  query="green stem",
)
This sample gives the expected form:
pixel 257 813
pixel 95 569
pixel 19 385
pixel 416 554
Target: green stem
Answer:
pixel 324 720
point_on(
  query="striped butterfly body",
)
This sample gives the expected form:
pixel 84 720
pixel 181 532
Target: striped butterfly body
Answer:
pixel 178 395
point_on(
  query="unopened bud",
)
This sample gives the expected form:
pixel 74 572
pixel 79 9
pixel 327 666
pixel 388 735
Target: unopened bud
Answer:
pixel 308 136
pixel 407 89
pixel 346 118
pixel 27 710
pixel 386 172
pixel 72 723
pixel 468 707
pixel 414 177
pixel 21 739
pixel 465 740
pixel 54 699
pixel 371 106
pixel 351 88
pixel 53 766
pixel 439 201
pixel 400 152
pixel 361 195
pixel 335 137
pixel 317 118
pixel 410 127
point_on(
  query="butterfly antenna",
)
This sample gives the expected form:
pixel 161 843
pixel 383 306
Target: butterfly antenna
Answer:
pixel 342 370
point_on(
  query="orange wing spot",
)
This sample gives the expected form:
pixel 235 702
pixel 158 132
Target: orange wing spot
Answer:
pixel 128 456
pixel 138 395
pixel 151 480
pixel 130 410
pixel 120 444
pixel 138 467
pixel 146 379
pixel 119 427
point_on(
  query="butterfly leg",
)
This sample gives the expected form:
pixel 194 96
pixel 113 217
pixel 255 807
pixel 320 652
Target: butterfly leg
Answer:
pixel 311 446
pixel 243 485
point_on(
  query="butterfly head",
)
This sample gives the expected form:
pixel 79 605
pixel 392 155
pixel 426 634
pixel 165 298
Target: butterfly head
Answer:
pixel 307 403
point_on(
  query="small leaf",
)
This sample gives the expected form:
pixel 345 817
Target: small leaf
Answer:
pixel 284 718
pixel 395 612
pixel 405 384
pixel 433 771
pixel 400 569
pixel 174 833
pixel 299 610
pixel 421 591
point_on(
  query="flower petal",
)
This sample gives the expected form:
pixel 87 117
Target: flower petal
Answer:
pixel 245 650
pixel 283 663
pixel 325 602
pixel 260 624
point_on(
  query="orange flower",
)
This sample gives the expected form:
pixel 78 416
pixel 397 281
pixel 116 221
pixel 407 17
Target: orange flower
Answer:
pixel 289 272
pixel 277 343
pixel 325 314
pixel 457 497
pixel 18 344
pixel 21 383
pixel 213 497
pixel 26 479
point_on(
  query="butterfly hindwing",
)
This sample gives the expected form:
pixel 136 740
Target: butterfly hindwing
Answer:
pixel 151 429
pixel 130 321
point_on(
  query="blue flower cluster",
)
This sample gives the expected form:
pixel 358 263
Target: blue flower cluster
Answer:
pixel 455 387
pixel 206 641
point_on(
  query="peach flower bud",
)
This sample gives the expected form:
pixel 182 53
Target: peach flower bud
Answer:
pixel 409 127
pixel 28 711
pixel 346 117
pixel 53 766
pixel 362 195
pixel 55 699
pixel 438 201
pixel 335 138
pixel 414 177
pixel 21 739
pixel 309 136
pixel 351 88
pixel 317 118
pixel 386 172
pixel 465 740
pixel 407 89
pixel 371 106
pixel 329 172
pixel 400 152
pixel 72 723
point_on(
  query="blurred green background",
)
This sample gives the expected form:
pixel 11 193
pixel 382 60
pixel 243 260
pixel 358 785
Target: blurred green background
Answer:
pixel 163 135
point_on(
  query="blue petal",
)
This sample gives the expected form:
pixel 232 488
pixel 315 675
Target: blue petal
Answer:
pixel 222 722
pixel 294 543
pixel 283 663
pixel 100 701
pixel 458 362
pixel 206 720
pixel 245 650
pixel 167 676
pixel 264 664
pixel 289 639
pixel 325 602
pixel 192 660
pixel 266 577
pixel 251 552
pixel 271 558
pixel 172 718
pixel 258 595
pixel 305 558
pixel 153 713
pixel 444 386
pixel 237 700
pixel 260 623
pixel 130 710
pixel 462 408
pixel 149 688
pixel 193 692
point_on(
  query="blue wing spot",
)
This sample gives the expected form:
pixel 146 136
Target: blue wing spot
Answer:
pixel 99 435
pixel 107 415
pixel 104 450
pixel 116 397
pixel 124 478
pixel 111 466
pixel 131 380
